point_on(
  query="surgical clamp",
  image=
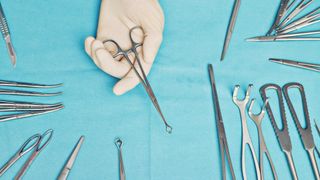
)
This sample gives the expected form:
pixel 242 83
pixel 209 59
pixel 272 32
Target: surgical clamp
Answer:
pixel 282 134
pixel 305 133
pixel 223 143
pixel 263 150
pixel 69 164
pixel 6 36
pixel 281 12
pixel 231 26
pixel 119 144
pixel 33 143
pixel 143 79
pixel 302 65
pixel 246 140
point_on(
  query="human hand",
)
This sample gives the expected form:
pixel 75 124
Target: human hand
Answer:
pixel 116 18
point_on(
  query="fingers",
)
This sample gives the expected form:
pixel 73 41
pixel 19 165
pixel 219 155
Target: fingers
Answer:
pixel 125 85
pixel 151 46
pixel 104 60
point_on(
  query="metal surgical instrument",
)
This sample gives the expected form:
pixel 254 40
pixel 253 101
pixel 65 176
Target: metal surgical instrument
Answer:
pixel 282 134
pixel 143 78
pixel 318 130
pixel 119 144
pixel 302 65
pixel 281 12
pixel 69 164
pixel 231 26
pixel 6 36
pixel 305 133
pixel 246 140
pixel 33 143
pixel 263 150
pixel 41 144
pixel 223 143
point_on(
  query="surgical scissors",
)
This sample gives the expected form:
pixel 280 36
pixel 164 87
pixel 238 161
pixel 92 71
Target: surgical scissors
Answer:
pixel 283 133
pixel 69 164
pixel 223 143
pixel 143 79
pixel 231 26
pixel 41 144
pixel 246 140
pixel 6 36
pixel 263 150
pixel 302 65
pixel 118 143
pixel 305 133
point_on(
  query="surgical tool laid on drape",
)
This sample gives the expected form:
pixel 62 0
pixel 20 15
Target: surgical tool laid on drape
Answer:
pixel 263 150
pixel 286 23
pixel 283 133
pixel 122 173
pixel 26 109
pixel 246 140
pixel 6 36
pixel 223 143
pixel 69 164
pixel 33 143
pixel 302 65
pixel 318 130
pixel 305 133
pixel 230 29
pixel 138 71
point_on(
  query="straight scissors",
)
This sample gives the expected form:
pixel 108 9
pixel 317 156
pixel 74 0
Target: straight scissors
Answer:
pixel 223 143
pixel 143 79
pixel 283 133
pixel 246 139
pixel 305 133
pixel 33 143
pixel 302 65
pixel 257 119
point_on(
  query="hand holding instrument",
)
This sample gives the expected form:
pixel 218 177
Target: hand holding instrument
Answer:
pixel 302 65
pixel 305 133
pixel 37 149
pixel 223 143
pixel 6 36
pixel 257 119
pixel 119 144
pixel 69 164
pixel 283 133
pixel 230 29
pixel 246 140
pixel 139 71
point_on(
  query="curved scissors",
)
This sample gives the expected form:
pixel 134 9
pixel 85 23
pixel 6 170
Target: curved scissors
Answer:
pixel 143 79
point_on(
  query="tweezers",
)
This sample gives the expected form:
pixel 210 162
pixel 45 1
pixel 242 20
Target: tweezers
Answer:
pixel 302 65
pixel 223 143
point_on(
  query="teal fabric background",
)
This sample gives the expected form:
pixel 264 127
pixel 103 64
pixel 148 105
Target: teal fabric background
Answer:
pixel 49 40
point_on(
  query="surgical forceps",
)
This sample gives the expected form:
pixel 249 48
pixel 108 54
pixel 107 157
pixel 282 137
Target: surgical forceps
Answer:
pixel 119 144
pixel 6 36
pixel 69 164
pixel 257 119
pixel 143 79
pixel 246 140
pixel 318 130
pixel 33 143
pixel 302 65
pixel 223 143
pixel 282 134
pixel 231 26
pixel 281 12
pixel 305 133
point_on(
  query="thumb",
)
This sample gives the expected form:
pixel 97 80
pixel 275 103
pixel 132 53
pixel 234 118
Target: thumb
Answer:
pixel 151 46
pixel 125 84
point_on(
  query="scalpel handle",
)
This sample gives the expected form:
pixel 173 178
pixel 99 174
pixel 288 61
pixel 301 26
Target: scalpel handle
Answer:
pixel 64 174
pixel 3 23
pixel 291 164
